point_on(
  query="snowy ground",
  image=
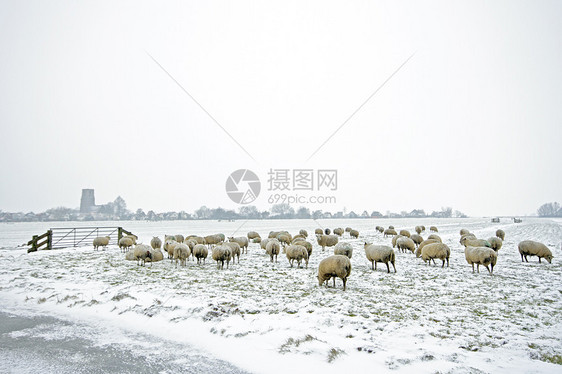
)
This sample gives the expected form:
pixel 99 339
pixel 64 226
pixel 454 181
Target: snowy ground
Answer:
pixel 270 318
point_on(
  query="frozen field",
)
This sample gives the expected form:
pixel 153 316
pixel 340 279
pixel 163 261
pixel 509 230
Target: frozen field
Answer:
pixel 269 318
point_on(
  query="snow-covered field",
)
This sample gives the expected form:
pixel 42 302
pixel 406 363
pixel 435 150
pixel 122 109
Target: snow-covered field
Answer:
pixel 270 318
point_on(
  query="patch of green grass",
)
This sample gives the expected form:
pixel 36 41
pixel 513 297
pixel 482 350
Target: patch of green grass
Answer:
pixel 552 358
pixel 286 347
pixel 41 300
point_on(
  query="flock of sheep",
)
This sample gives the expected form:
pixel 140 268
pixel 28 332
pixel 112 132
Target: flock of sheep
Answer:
pixel 298 249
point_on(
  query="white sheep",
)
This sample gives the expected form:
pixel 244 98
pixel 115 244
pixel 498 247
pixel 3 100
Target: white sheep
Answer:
pixel 464 232
pixel 424 243
pixel 221 254
pixel 436 237
pixel 418 230
pixel 273 248
pixel 394 239
pixel 263 243
pixel 327 240
pixel 155 242
pixel 433 228
pixel 403 243
pixel 405 233
pixel 495 243
pixel 252 235
pixel 211 240
pixel 303 232
pixel 389 232
pixel 417 239
pixel 101 241
pixel 141 252
pixel 169 245
pixel 200 252
pixel 297 253
pixel 343 248
pixel 338 231
pixel 318 232
pixel 532 248
pixel 181 253
pixel 500 234
pixel 469 242
pixel 354 234
pixel 125 243
pixel 234 250
pixel 242 242
pixel 481 256
pixel 436 250
pixel 379 229
pixel 156 255
pixel 380 253
pixel 332 267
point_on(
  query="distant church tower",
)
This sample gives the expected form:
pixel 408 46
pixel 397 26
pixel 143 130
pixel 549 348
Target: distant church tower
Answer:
pixel 88 201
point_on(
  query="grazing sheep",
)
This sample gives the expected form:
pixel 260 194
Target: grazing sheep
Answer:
pixel 354 234
pixel 405 233
pixel 500 234
pixel 495 243
pixel 130 255
pixel 422 227
pixel 304 233
pixel 343 248
pixel 481 256
pixel 403 243
pixel 284 239
pixel 221 253
pixel 256 240
pixel 297 239
pixel 141 252
pixel 191 243
pixel 264 242
pixel 469 242
pixel 391 227
pixel 326 240
pixel 234 250
pixel 297 253
pixel 200 252
pixel 338 231
pixel 318 232
pixel 394 239
pixel 169 245
pixel 155 242
pixel 532 248
pixel 327 231
pixel 133 237
pixel 181 253
pixel 273 234
pixel 125 243
pixel 198 239
pixel 101 241
pixel 424 243
pixel 436 250
pixel 464 232
pixel 179 238
pixel 380 253
pixel 213 240
pixel 308 247
pixel 379 229
pixel 347 229
pixel 467 236
pixel 273 248
pixel 433 228
pixel 417 239
pixel 242 242
pixel 252 235
pixel 436 237
pixel 389 232
pixel 418 230
pixel 332 267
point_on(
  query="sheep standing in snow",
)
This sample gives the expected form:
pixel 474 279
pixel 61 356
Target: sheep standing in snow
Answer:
pixel 436 250
pixel 481 256
pixel 125 243
pixel 285 239
pixel 467 241
pixel 156 255
pixel 338 231
pixel 379 229
pixel 200 252
pixel 433 228
pixel 423 244
pixel 141 252
pixel 273 248
pixel 389 232
pixel 344 249
pixel 500 234
pixel 318 232
pixel 242 242
pixel 436 237
pixel 332 267
pixel 380 253
pixel 234 250
pixel 213 240
pixel 263 243
pixel 417 239
pixel 418 230
pixel 169 245
pixel 221 254
pixel 327 240
pixel 252 235
pixel 464 232
pixel 403 243
pixel 327 231
pixel 495 243
pixel 101 241
pixel 354 234
pixel 303 232
pixel 181 253
pixel 532 248
pixel 155 242
pixel 297 253
pixel 394 239
pixel 405 233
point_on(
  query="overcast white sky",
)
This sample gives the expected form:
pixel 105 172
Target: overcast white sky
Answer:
pixel 472 121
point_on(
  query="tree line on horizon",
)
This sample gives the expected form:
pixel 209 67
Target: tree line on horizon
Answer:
pixel 117 210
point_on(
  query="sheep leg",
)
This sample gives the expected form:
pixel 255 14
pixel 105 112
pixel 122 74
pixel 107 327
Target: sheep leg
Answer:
pixel 473 267
pixel 387 268
pixel 478 268
pixel 373 265
pixel 539 260
pixel 492 271
pixel 334 279
pixel 443 265
pixel 394 267
pixel 344 282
